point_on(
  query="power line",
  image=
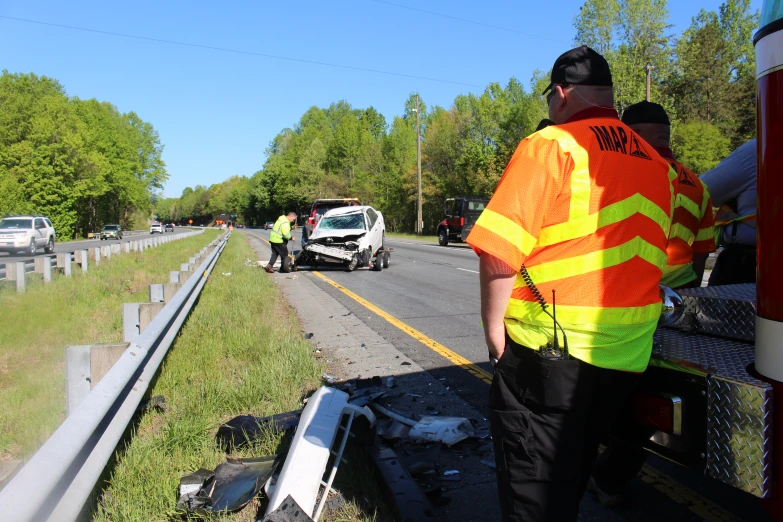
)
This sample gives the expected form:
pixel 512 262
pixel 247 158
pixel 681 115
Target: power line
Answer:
pixel 469 21
pixel 236 51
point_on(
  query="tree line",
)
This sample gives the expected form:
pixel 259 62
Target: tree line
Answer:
pixel 82 163
pixel 704 78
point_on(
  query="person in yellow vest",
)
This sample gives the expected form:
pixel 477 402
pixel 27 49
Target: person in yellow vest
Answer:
pixel 567 216
pixel 278 239
pixel 691 239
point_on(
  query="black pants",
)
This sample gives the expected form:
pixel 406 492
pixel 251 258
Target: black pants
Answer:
pixel 547 418
pixel 280 249
pixel 621 461
pixel 735 264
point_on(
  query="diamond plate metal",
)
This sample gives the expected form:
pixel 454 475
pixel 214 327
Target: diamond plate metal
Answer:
pixel 739 434
pixel 728 311
pixel 739 426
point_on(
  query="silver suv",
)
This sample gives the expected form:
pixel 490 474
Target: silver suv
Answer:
pixel 27 233
pixel 156 227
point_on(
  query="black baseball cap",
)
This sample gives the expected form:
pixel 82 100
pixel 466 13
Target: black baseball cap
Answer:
pixel 580 66
pixel 645 112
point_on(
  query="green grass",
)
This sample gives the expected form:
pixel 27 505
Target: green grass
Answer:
pixel 83 309
pixel 241 351
pixel 401 235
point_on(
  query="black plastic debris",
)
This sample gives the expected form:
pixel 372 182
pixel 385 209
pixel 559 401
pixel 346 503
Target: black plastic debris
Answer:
pixel 309 335
pixel 401 491
pixel 246 428
pixel 288 511
pixel 158 402
pixel 229 488
pixel 419 459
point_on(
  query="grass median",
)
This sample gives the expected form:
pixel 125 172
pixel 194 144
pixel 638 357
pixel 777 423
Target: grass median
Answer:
pixel 241 351
pixel 83 309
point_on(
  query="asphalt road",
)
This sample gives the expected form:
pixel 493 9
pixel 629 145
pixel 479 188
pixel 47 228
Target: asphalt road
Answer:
pixel 70 246
pixel 435 290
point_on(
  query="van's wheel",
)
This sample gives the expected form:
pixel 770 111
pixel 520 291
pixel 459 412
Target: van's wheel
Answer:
pixel 353 263
pixel 443 237
pixel 386 259
pixel 50 246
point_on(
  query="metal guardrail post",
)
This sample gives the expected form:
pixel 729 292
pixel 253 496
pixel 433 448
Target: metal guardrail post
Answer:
pixel 156 293
pixel 97 255
pixel 21 276
pixel 47 270
pixel 83 257
pixel 57 481
pixel 64 262
pixel 127 245
pixel 77 375
pixel 130 321
pixel 174 276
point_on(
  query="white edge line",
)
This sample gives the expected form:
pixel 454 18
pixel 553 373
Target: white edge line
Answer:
pixel 466 270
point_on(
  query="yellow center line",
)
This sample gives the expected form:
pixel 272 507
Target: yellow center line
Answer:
pixel 435 346
pixel 680 494
pixel 259 237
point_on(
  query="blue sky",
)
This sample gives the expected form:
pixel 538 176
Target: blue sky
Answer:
pixel 216 111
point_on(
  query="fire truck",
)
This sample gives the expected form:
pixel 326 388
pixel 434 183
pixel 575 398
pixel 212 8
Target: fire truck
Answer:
pixel 712 396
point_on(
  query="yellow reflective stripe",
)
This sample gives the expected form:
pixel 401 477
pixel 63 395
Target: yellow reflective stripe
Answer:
pixel 677 275
pixel 531 313
pixel 705 199
pixel 688 204
pixel 608 215
pixel 681 231
pixel 578 265
pixel 508 229
pixel 705 234
pixel 580 176
pixel 672 175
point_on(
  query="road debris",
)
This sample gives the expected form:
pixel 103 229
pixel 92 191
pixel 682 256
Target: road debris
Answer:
pixel 489 463
pixel 448 430
pixel 289 511
pixel 226 273
pixel 389 382
pixel 309 335
pixel 158 402
pixel 330 379
pixel 392 429
pixel 229 488
pixel 302 473
pixel 400 489
pixel 246 428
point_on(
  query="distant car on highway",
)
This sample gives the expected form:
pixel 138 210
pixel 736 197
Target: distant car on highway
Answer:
pixel 169 227
pixel 26 233
pixel 157 227
pixel 268 225
pixel 111 232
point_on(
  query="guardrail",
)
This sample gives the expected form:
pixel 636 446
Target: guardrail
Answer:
pixel 44 264
pixel 57 481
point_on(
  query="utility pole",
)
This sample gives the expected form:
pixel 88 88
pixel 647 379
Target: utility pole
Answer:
pixel 649 69
pixel 418 166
